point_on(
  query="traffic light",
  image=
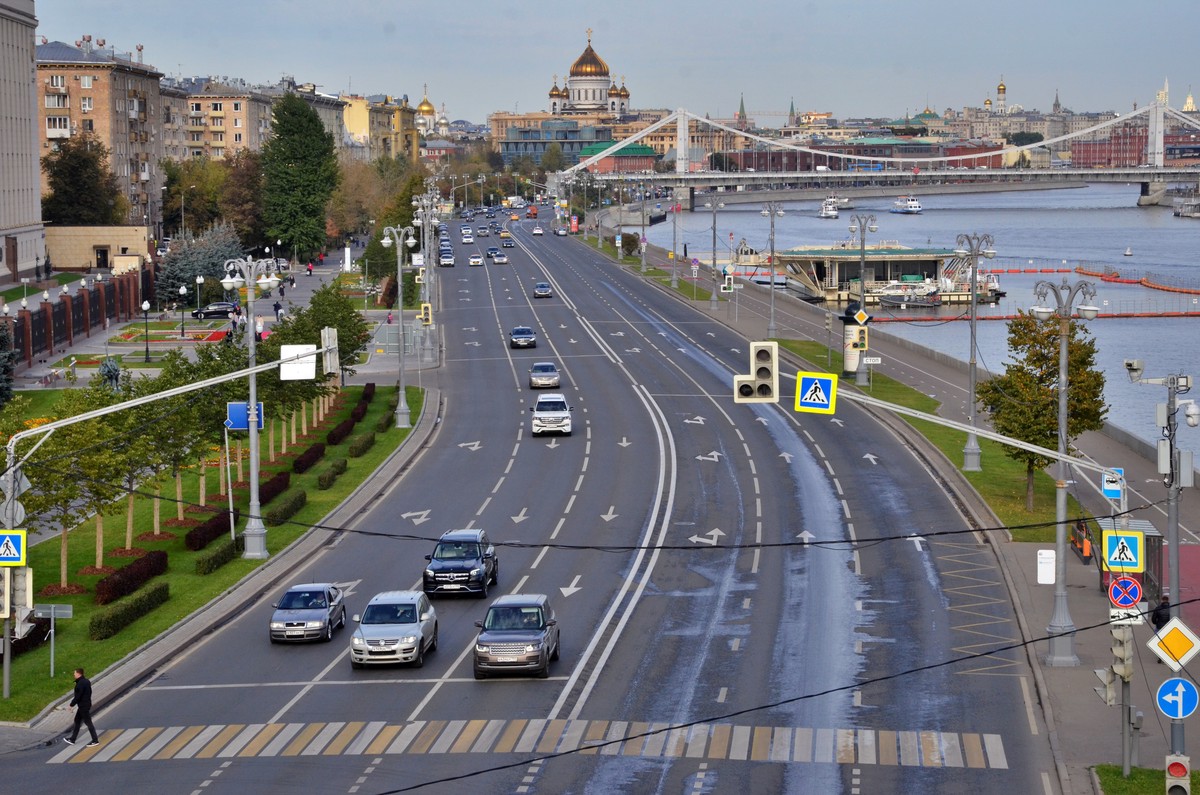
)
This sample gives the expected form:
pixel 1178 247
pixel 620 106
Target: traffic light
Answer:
pixel 420 279
pixel 762 385
pixel 1179 775
pixel 1110 694
pixel 1122 650
pixel 828 322
pixel 426 315
pixel 858 338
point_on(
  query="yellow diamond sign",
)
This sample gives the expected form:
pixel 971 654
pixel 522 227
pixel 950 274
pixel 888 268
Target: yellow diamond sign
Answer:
pixel 861 317
pixel 1175 644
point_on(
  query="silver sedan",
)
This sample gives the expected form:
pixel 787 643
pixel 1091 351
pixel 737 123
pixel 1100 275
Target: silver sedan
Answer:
pixel 310 611
pixel 542 375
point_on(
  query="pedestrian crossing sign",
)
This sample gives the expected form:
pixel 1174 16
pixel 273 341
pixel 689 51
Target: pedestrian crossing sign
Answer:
pixel 12 547
pixel 1124 551
pixel 816 393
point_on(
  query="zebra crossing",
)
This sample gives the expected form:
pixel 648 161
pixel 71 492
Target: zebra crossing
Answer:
pixel 708 741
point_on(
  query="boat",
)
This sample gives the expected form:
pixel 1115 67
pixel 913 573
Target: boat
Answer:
pixel 908 293
pixel 843 202
pixel 829 209
pixel 906 205
pixel 912 300
pixel 1129 252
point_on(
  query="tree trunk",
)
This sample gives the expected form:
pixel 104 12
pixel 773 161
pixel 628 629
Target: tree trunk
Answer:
pixel 303 421
pixel 1029 489
pixel 221 461
pixel 157 508
pixel 179 494
pixel 99 539
pixel 203 479
pixel 129 522
pixel 239 462
pixel 271 442
pixel 283 435
pixel 62 558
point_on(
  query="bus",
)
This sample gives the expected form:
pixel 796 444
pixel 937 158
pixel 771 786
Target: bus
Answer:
pixel 858 165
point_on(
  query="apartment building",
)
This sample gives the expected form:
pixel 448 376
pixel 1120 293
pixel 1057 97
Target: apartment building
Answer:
pixel 223 119
pixel 22 244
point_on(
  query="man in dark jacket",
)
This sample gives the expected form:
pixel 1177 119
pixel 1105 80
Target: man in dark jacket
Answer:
pixel 82 702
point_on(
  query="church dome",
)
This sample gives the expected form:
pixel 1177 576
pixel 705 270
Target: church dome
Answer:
pixel 987 103
pixel 589 64
pixel 1000 89
pixel 555 91
pixel 613 91
pixel 624 92
pixel 426 107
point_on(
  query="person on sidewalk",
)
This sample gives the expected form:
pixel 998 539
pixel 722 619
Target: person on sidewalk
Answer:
pixel 82 702
pixel 278 307
pixel 389 318
pixel 310 269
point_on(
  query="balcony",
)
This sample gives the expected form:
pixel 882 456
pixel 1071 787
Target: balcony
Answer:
pixel 58 133
pixel 55 89
pixel 197 125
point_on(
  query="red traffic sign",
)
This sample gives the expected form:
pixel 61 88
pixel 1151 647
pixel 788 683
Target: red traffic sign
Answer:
pixel 1124 592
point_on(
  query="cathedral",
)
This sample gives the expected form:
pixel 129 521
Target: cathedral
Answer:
pixel 589 89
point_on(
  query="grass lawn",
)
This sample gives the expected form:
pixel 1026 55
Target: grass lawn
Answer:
pixel 1140 782
pixel 31 686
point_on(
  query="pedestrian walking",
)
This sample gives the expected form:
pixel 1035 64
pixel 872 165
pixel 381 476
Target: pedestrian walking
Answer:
pixel 310 269
pixel 281 289
pixel 292 281
pixel 82 702
pixel 278 307
pixel 389 318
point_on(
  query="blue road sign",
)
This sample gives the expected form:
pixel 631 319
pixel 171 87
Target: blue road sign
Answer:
pixel 816 392
pixel 237 416
pixel 1177 698
pixel 1124 592
pixel 1123 550
pixel 12 548
pixel 1111 487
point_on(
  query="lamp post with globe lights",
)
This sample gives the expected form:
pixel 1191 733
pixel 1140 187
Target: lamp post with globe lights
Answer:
pixel 1061 629
pixel 860 225
pixel 973 246
pixel 772 210
pixel 199 289
pixel 146 317
pixel 392 235
pixel 255 275
pixel 714 205
pixel 182 308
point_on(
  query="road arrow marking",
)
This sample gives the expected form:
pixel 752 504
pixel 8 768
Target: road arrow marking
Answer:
pixel 871 458
pixel 420 516
pixel 836 422
pixel 519 517
pixel 787 457
pixel 633 350
pixel 709 538
pixel 553 443
pixel 469 328
pixel 916 539
pixel 617 334
pixel 763 420
pixel 573 588
pixel 474 344
pixel 608 517
pixel 697 420
pixel 624 442
pixel 805 537
pixel 472 446
pixel 713 456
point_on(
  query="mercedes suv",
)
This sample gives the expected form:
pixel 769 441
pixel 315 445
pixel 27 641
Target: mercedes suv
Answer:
pixel 464 561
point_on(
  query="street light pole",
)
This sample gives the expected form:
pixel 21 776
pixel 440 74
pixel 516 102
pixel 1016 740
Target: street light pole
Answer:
pixel 772 210
pixel 254 275
pixel 146 315
pixel 199 289
pixel 714 205
pixel 182 305
pixel 1061 629
pixel 973 246
pixel 392 235
pixel 862 224
pixel 642 208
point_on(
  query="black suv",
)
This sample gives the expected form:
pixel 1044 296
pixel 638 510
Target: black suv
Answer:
pixel 464 561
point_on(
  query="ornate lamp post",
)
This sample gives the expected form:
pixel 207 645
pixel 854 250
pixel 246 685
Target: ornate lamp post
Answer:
pixel 259 274
pixel 772 210
pixel 1061 628
pixel 714 205
pixel 392 235
pixel 973 246
pixel 199 289
pixel 642 208
pixel 860 225
pixel 146 315
pixel 182 305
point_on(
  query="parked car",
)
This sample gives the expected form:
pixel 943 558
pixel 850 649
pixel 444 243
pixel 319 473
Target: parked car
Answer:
pixel 464 561
pixel 395 627
pixel 310 611
pixel 551 414
pixel 221 309
pixel 543 374
pixel 561 231
pixel 542 290
pixel 522 337
pixel 519 634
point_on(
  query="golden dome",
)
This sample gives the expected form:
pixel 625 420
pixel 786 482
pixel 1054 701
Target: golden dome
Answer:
pixel 426 107
pixel 555 91
pixel 589 64
pixel 613 91
pixel 1000 89
pixel 624 92
pixel 987 103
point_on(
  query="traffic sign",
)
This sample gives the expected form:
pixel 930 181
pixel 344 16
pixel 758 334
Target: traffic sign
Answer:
pixel 861 317
pixel 816 392
pixel 237 416
pixel 1177 698
pixel 1113 480
pixel 872 360
pixel 1123 550
pixel 1126 617
pixel 1175 644
pixel 1124 592
pixel 12 548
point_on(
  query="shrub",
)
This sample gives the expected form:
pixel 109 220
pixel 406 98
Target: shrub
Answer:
pixel 328 475
pixel 274 487
pixel 214 527
pixel 340 432
pixel 305 460
pixel 286 508
pixel 368 393
pixel 108 622
pixel 216 557
pixel 386 422
pixel 128 579
pixel 359 445
pixel 359 411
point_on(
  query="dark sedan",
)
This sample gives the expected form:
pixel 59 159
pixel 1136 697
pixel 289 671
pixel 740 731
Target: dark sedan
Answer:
pixel 221 309
pixel 522 337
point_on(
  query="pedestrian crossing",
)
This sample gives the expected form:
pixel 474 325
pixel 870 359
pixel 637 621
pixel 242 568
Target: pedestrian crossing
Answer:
pixel 708 741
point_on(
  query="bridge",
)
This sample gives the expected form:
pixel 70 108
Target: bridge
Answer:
pixel 852 174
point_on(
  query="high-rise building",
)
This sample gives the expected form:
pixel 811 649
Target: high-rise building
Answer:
pixel 22 245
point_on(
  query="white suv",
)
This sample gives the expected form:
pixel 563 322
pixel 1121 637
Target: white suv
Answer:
pixel 551 414
pixel 396 627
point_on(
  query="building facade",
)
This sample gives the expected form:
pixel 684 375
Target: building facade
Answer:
pixel 22 240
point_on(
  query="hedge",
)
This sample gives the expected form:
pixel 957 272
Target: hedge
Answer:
pixel 359 445
pixel 286 508
pixel 108 622
pixel 368 393
pixel 386 423
pixel 308 458
pixel 212 528
pixel 329 474
pixel 359 411
pixel 216 557
pixel 274 487
pixel 125 581
pixel 339 433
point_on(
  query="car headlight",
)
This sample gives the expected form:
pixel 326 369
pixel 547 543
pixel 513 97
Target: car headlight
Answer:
pixel 475 572
pixel 532 647
pixel 429 573
pixel 482 648
pixel 409 639
pixel 313 624
pixel 358 642
pixel 277 625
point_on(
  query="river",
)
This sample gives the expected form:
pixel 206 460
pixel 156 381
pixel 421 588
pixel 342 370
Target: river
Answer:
pixel 1093 226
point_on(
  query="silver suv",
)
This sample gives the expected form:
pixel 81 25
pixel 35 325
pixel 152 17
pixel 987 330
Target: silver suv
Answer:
pixel 518 635
pixel 551 414
pixel 396 627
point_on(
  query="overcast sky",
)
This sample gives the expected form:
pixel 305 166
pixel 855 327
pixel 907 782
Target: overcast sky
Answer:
pixel 852 58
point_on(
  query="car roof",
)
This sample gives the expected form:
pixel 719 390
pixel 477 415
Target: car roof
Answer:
pixel 462 535
pixel 544 364
pixel 520 600
pixel 552 396
pixel 393 597
pixel 522 328
pixel 542 284
pixel 308 586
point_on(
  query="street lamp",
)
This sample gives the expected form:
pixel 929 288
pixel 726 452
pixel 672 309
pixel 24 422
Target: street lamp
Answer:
pixel 642 208
pixel 146 314
pixel 390 235
pixel 261 275
pixel 199 289
pixel 182 304
pixel 860 225
pixel 1061 629
pixel 714 205
pixel 973 246
pixel 772 210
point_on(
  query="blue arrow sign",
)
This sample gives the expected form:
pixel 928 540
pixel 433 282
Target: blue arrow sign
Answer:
pixel 1124 592
pixel 237 416
pixel 12 548
pixel 1177 698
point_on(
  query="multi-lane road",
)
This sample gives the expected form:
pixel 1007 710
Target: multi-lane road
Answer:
pixel 745 596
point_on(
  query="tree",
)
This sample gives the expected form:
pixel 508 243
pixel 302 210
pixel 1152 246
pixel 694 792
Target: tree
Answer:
pixel 193 192
pixel 552 158
pixel 83 191
pixel 8 364
pixel 1023 402
pixel 241 201
pixel 299 175
pixel 204 256
pixel 1024 138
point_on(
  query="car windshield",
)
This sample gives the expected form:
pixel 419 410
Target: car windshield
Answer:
pixel 542 286
pixel 456 551
pixel 522 331
pixel 302 600
pixel 390 614
pixel 551 405
pixel 513 618
pixel 543 368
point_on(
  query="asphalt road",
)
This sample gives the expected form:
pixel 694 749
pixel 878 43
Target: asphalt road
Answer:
pixel 704 645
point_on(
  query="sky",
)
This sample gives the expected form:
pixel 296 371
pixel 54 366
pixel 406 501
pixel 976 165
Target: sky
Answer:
pixel 851 58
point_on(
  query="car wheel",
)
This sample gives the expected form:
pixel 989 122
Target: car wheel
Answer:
pixel 483 591
pixel 544 671
pixel 342 623
pixel 328 636
pixel 557 644
pixel 355 665
pixel 420 661
pixel 434 640
pixel 480 674
pixel 496 574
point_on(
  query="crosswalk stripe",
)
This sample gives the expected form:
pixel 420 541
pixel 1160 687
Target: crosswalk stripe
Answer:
pixel 973 744
pixel 137 744
pixel 282 739
pixel 218 742
pixel 823 745
pixel 697 742
pixel 551 736
pixel 157 743
pixel 198 741
pixel 488 736
pixel 616 731
pixel 405 737
pixel 365 737
pixel 302 739
pixel 244 737
pixel 387 735
pixel 951 750
pixel 866 746
pixel 718 744
pixel 427 737
pixel 887 748
pixel 532 730
pixel 322 739
pixel 803 745
pixel 256 745
pixel 930 753
pixel 447 737
pixel 995 751
pixel 467 737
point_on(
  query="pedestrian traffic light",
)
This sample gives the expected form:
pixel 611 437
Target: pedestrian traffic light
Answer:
pixel 420 276
pixel 426 315
pixel 828 321
pixel 858 338
pixel 1179 775
pixel 1122 650
pixel 762 385
pixel 1110 694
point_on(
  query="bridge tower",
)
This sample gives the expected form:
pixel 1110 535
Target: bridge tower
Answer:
pixel 682 142
pixel 1154 139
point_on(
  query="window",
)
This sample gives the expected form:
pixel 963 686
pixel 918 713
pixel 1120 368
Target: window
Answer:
pixel 237 138
pixel 85 81
pixel 218 136
pixel 88 126
pixel 197 136
pixel 217 122
pixel 58 81
pixel 58 122
pixel 237 107
pixel 56 101
pixel 237 122
pixel 195 106
pixel 85 104
pixel 218 152
pixel 217 106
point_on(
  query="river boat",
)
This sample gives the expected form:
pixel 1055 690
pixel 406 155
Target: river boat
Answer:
pixel 906 205
pixel 908 293
pixel 912 301
pixel 829 209
pixel 1188 208
pixel 843 202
